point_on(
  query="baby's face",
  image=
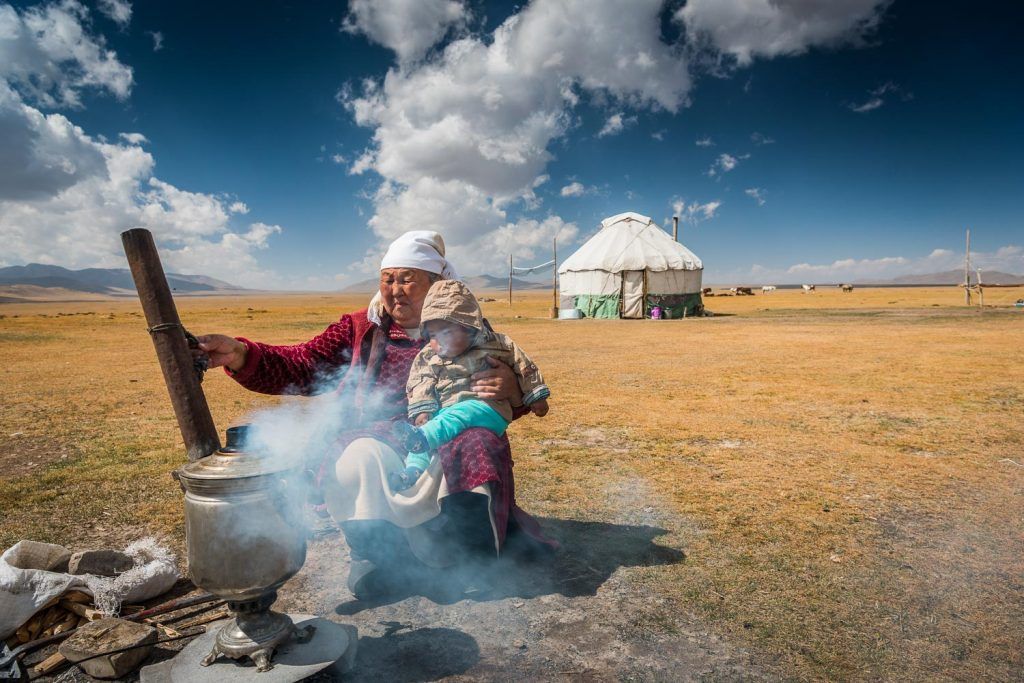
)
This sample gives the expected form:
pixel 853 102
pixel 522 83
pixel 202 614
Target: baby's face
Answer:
pixel 447 339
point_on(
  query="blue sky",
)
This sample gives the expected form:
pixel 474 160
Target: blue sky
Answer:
pixel 282 147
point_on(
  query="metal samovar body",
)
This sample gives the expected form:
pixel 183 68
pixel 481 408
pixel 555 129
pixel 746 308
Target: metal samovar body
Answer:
pixel 246 536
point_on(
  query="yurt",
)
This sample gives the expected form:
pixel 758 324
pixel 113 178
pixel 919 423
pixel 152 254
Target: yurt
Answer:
pixel 630 266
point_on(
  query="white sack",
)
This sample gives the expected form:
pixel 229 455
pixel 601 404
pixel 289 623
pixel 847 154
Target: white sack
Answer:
pixel 24 588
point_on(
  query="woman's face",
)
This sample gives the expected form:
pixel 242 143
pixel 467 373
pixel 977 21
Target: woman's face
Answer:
pixel 402 291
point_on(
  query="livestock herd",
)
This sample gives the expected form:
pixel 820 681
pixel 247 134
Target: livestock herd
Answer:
pixel 768 289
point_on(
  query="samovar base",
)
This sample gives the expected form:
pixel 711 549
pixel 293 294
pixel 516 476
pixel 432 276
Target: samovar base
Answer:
pixel 332 649
pixel 256 631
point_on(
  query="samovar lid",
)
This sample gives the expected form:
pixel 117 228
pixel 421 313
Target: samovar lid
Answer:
pixel 234 462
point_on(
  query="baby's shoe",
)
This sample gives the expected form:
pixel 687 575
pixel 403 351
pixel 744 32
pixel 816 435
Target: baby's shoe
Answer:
pixel 412 438
pixel 400 481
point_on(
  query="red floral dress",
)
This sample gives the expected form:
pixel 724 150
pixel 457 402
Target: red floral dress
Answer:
pixel 337 358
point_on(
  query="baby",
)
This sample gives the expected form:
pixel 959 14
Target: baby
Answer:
pixel 441 402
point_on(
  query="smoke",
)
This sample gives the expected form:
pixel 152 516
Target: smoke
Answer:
pixel 299 431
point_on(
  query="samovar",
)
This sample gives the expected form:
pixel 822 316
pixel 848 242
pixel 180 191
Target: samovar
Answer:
pixel 246 536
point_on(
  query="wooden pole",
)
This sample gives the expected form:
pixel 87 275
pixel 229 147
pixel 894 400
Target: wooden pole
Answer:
pixel 187 397
pixel 510 280
pixel 554 278
pixel 981 291
pixel 967 270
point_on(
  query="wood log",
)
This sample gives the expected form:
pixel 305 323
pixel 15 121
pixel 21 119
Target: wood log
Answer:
pixel 87 613
pixel 48 665
pixel 77 596
pixel 163 628
pixel 35 625
pixel 53 616
pixel 206 619
pixel 70 621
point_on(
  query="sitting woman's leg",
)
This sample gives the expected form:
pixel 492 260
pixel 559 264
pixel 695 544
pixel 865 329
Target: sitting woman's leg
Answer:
pixel 477 466
pixel 373 520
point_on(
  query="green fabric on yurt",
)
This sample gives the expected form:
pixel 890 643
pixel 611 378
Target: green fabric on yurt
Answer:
pixel 674 304
pixel 599 305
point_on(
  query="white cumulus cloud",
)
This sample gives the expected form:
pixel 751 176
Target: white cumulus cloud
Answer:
pixel 757 194
pixel 878 97
pixel 119 11
pixel 576 189
pixel 48 56
pixel 66 196
pixel 615 124
pixel 746 29
pixel 724 163
pixel 134 138
pixel 694 212
pixel 463 135
pixel 407 27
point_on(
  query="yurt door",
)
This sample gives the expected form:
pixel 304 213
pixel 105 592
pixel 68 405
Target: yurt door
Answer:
pixel 632 294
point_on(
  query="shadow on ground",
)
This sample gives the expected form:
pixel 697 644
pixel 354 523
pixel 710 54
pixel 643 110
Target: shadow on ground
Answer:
pixel 590 553
pixel 411 656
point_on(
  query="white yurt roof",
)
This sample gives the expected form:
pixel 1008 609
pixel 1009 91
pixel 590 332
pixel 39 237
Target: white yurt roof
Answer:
pixel 629 241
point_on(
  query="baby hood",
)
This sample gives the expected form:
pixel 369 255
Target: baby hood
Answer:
pixel 452 301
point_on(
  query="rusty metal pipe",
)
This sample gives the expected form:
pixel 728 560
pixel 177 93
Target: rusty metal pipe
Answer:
pixel 187 397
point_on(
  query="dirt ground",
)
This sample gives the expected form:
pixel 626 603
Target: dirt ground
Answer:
pixel 591 612
pixel 803 487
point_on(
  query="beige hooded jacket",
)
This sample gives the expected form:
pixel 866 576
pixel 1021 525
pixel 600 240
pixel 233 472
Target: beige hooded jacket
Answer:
pixel 436 382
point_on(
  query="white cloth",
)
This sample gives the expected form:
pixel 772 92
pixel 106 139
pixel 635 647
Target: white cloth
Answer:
pixel 360 491
pixel 421 249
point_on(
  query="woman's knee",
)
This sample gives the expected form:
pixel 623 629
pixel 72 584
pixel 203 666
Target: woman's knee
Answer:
pixel 482 438
pixel 358 457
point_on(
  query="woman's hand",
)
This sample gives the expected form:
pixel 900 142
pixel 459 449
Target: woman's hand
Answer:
pixel 497 383
pixel 223 350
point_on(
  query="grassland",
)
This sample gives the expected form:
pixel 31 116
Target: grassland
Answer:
pixel 844 472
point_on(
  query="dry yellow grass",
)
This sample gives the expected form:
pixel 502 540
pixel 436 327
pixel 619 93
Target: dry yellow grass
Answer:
pixel 844 472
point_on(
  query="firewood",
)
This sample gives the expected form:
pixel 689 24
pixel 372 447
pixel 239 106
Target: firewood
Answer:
pixel 46 666
pixel 51 618
pixel 77 596
pixel 22 634
pixel 206 619
pixel 81 610
pixel 35 625
pixel 166 630
pixel 70 622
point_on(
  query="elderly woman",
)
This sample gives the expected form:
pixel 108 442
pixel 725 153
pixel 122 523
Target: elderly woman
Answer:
pixel 464 505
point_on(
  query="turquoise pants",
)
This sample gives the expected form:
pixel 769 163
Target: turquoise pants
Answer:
pixel 452 421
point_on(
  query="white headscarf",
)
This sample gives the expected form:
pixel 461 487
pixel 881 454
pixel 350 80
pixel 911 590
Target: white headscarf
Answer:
pixel 422 249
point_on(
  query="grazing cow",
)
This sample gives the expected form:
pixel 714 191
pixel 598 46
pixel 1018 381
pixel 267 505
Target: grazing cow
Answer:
pixel 807 288
pixel 744 291
pixel 768 289
pixel 846 288
pixel 706 291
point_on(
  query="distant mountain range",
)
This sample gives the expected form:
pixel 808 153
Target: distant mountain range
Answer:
pixel 102 280
pixel 477 283
pixel 949 277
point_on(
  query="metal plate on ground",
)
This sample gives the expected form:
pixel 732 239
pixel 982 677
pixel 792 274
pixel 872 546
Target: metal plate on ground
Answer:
pixel 293 662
